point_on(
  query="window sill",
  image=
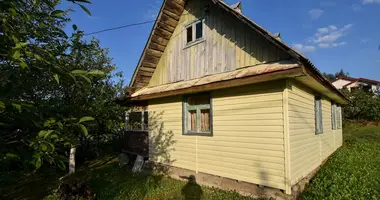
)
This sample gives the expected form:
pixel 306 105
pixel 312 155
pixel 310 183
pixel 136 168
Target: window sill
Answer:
pixel 190 44
pixel 198 134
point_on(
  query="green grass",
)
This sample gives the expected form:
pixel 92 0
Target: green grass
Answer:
pixel 111 182
pixel 353 172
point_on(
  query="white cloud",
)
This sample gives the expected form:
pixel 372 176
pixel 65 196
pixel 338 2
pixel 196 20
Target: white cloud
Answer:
pixel 304 48
pixel 370 1
pixel 356 7
pixel 325 37
pixel 316 13
pixel 332 27
pixel 338 44
pixel 327 45
pixel 325 30
pixel 330 34
pixel 324 45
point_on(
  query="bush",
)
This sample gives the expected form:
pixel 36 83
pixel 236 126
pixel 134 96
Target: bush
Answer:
pixel 364 106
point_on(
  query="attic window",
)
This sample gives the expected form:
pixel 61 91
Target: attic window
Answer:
pixel 194 32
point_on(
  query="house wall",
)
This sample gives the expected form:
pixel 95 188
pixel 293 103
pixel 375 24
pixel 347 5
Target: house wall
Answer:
pixel 308 150
pixel 229 44
pixel 248 135
pixel 340 83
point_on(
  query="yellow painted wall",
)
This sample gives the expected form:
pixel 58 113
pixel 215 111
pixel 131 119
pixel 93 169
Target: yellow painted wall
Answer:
pixel 229 44
pixel 248 135
pixel 308 150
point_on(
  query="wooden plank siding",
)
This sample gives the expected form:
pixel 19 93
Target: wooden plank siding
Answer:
pixel 248 138
pixel 228 45
pixel 308 150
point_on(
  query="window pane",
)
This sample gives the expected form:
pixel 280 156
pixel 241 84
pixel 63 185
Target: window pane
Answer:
pixel 333 114
pixel 134 120
pixel 318 115
pixel 205 120
pixel 189 31
pixel 192 120
pixel 146 116
pixel 199 30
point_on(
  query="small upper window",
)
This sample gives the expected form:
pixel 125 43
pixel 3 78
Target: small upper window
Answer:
pixel 199 30
pixel 194 32
pixel 318 115
pixel 189 34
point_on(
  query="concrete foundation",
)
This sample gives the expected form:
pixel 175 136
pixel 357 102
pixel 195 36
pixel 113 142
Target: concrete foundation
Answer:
pixel 243 188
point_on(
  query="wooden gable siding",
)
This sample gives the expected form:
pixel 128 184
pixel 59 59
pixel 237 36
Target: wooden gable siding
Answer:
pixel 307 149
pixel 229 44
pixel 248 135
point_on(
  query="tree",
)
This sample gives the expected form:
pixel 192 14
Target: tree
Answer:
pixel 333 77
pixel 54 89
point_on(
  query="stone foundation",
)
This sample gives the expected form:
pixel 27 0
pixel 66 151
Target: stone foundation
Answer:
pixel 243 188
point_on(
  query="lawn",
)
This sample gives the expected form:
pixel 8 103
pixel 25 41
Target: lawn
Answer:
pixel 111 182
pixel 353 172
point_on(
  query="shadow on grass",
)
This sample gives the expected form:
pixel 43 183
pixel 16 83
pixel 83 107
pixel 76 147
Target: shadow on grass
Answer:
pixel 28 186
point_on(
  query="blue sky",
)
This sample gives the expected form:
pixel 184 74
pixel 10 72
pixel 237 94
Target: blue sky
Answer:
pixel 334 34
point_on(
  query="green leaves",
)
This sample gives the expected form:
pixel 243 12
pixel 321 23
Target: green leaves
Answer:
pixel 17 107
pixel 57 13
pixel 2 105
pixel 85 9
pixel 86 119
pixel 83 129
pixel 96 72
pixel 16 55
pixel 37 163
pixel 78 71
pixel 12 156
pixel 56 77
pixel 45 133
pixel 75 27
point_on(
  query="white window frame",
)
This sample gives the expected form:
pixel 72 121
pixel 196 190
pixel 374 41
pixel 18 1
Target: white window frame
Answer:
pixel 143 126
pixel 194 41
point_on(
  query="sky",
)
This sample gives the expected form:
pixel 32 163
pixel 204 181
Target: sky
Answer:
pixel 333 34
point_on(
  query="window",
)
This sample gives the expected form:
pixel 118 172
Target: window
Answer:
pixel 338 117
pixel 197 115
pixel 194 32
pixel 318 115
pixel 199 30
pixel 333 116
pixel 189 31
pixel 137 120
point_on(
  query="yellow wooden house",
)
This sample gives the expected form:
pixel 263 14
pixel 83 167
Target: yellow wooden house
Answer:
pixel 232 100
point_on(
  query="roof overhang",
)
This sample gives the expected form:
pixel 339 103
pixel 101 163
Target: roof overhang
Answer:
pixel 244 76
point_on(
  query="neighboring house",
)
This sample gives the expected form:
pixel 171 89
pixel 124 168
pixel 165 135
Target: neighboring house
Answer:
pixel 354 83
pixel 233 100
